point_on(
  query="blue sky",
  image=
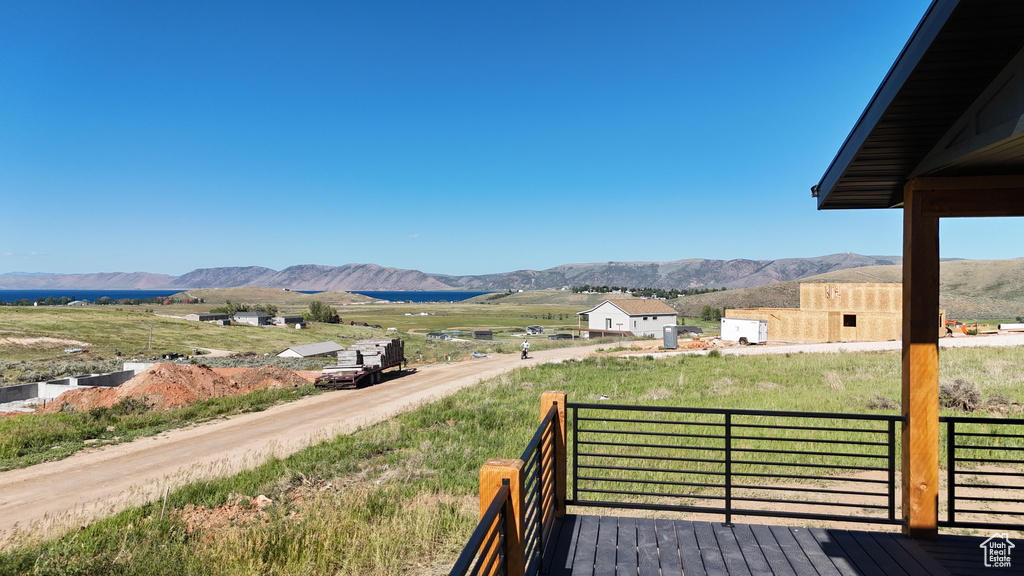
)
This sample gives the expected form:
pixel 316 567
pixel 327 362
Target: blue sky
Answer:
pixel 459 137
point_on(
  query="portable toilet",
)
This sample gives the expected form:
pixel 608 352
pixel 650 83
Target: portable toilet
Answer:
pixel 671 336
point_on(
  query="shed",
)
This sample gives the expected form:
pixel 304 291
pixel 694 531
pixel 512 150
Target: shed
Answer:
pixel 641 317
pixel 286 320
pixel 253 318
pixel 942 137
pixel 483 335
pixel 319 349
pixel 206 316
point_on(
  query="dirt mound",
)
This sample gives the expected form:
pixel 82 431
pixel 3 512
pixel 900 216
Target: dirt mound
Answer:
pixel 266 377
pixel 165 386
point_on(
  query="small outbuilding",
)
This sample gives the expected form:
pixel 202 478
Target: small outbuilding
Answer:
pixel 318 350
pixel 483 335
pixel 286 320
pixel 253 318
pixel 206 316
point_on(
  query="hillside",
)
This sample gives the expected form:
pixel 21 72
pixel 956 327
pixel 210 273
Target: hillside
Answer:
pixel 274 296
pixel 691 273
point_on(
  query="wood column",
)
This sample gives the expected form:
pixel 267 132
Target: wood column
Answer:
pixel 920 455
pixel 559 399
pixel 493 472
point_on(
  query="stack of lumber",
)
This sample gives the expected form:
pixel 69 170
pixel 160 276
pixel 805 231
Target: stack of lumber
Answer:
pixel 382 352
pixel 351 357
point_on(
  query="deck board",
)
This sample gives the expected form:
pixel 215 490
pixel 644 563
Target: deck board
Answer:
pixel 611 546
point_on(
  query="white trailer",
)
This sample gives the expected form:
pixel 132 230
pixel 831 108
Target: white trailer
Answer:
pixel 745 330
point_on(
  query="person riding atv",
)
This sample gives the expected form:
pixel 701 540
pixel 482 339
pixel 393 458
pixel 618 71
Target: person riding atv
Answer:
pixel 525 346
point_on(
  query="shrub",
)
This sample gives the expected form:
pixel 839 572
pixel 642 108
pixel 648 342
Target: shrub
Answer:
pixel 960 394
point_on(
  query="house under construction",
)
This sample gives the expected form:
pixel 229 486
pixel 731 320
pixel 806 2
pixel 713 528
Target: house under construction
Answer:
pixel 868 312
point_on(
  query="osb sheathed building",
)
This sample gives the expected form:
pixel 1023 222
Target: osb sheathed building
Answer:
pixel 868 312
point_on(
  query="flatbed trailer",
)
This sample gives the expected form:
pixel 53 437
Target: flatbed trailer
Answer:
pixel 364 364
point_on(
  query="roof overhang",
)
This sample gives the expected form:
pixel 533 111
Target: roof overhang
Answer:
pixel 951 105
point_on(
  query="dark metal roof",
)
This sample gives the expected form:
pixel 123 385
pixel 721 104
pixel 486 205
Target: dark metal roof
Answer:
pixel 957 50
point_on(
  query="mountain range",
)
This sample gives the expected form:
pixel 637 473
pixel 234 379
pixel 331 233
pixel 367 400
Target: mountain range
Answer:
pixel 679 274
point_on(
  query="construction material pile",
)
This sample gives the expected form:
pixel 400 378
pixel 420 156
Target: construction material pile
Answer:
pixel 382 352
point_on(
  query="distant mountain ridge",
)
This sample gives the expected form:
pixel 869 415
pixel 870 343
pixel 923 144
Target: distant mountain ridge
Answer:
pixel 680 274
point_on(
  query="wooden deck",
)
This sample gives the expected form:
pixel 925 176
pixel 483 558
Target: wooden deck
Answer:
pixel 610 546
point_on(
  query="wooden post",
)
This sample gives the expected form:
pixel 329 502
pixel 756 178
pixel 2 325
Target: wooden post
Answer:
pixel 920 439
pixel 558 398
pixel 493 472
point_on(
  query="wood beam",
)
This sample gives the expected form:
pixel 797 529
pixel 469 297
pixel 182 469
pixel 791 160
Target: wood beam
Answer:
pixel 491 474
pixel 968 197
pixel 920 455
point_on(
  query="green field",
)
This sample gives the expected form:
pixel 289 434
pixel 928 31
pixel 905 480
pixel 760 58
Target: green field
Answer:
pixel 33 339
pixel 400 497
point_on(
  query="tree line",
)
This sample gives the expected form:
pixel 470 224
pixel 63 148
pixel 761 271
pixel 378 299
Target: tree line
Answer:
pixel 645 292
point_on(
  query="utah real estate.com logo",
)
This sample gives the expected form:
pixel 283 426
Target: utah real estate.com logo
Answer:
pixel 996 550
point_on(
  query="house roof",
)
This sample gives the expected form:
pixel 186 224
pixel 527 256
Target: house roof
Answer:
pixel 637 307
pixel 952 66
pixel 252 314
pixel 317 348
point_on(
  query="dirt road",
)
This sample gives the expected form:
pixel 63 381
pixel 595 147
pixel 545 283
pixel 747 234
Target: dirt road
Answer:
pixel 98 482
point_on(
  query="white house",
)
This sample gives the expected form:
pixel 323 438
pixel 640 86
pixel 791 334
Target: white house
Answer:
pixel 640 317
pixel 329 348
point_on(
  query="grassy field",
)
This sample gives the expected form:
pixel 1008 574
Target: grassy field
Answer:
pixel 400 497
pixel 33 340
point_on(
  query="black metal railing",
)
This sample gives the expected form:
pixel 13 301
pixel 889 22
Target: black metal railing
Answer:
pixel 486 551
pixel 540 503
pixel 810 465
pixel 984 478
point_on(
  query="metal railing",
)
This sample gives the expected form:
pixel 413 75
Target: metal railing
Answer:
pixel 540 505
pixel 984 478
pixel 486 551
pixel 810 465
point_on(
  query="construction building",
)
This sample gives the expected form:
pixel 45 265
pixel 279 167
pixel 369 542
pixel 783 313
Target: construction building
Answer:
pixel 865 312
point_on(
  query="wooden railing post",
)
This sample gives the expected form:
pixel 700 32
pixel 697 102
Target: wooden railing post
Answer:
pixel 559 399
pixel 491 475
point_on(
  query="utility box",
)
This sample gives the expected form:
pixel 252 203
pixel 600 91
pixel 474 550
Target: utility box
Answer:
pixel 744 330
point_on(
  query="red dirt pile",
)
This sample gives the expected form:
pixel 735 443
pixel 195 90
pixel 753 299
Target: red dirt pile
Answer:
pixel 165 386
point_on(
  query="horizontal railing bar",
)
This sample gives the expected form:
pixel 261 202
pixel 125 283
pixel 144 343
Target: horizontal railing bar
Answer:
pixel 982 525
pixel 665 458
pixel 659 446
pixel 655 483
pixel 646 421
pixel 809 490
pixel 657 494
pixel 809 440
pixel 738 412
pixel 960 498
pixel 649 433
pixel 803 465
pixel 979 447
pixel 810 477
pixel 806 453
pixel 974 420
pixel 984 512
pixel 971 472
pixel 986 435
pixel 811 503
pixel 989 460
pixel 880 431
pixel 985 486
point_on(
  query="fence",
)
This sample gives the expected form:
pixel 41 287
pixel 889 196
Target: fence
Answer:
pixel 983 473
pixel 810 465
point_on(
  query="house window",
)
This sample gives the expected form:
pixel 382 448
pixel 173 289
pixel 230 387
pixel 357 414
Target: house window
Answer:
pixel 645 318
pixel 634 323
pixel 607 323
pixel 850 320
